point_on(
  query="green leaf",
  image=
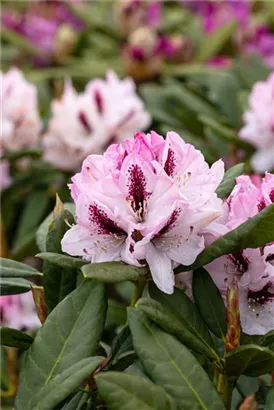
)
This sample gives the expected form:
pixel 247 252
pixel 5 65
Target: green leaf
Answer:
pixel 15 338
pixel 20 41
pixel 58 282
pixel 269 404
pixel 14 286
pixel 122 352
pixel 32 214
pixel 77 402
pixel 4 376
pixel 113 272
pixel 62 385
pixel 228 181
pixel 251 360
pixel 215 42
pixel 171 324
pixel 116 314
pixel 254 233
pixel 127 392
pixel 185 310
pixel 267 339
pixel 209 302
pixel 225 94
pixel 63 261
pixel 225 133
pixel 14 269
pixel 71 333
pixel 42 232
pixel 171 366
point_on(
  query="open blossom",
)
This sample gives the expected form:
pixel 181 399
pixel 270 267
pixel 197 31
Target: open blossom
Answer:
pixel 87 123
pixel 18 312
pixel 215 14
pixel 253 268
pixel 19 113
pixel 149 201
pixel 261 42
pixel 259 124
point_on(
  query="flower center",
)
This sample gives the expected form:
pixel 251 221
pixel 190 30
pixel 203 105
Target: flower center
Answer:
pixel 240 261
pixel 262 296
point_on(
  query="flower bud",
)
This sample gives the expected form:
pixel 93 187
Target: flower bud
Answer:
pixel 64 42
pixel 141 55
pixel 232 340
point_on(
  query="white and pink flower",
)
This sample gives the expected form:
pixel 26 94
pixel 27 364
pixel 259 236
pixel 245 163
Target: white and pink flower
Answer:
pixel 18 312
pixel 253 268
pixel 19 113
pixel 150 200
pixel 106 112
pixel 259 124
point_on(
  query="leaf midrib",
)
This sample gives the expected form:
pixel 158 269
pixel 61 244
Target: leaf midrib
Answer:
pixel 178 368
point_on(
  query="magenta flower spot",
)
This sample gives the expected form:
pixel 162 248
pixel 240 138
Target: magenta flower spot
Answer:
pixel 104 223
pixel 262 296
pixel 99 101
pixel 137 189
pixel 83 119
pixel 240 261
pixel 170 163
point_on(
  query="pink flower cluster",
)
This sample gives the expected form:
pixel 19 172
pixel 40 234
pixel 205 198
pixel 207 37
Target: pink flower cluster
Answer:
pixel 106 112
pixel 258 126
pixel 18 312
pixel 41 23
pixel 254 268
pixel 150 200
pixel 19 112
pixel 215 14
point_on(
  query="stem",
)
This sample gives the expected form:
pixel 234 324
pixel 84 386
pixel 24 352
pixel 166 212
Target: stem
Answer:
pixel 139 287
pixel 224 388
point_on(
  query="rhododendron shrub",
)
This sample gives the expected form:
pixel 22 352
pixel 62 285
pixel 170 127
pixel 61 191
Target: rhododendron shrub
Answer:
pixel 197 246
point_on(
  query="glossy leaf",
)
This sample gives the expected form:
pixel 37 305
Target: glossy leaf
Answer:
pixel 171 366
pixel 209 302
pixel 269 404
pixel 228 181
pixel 185 310
pixel 63 261
pixel 13 269
pixel 113 272
pixel 15 338
pixel 58 282
pixel 127 392
pixel 71 333
pixel 42 232
pixel 251 360
pixel 171 324
pixel 65 383
pixel 215 41
pixel 254 233
pixel 32 214
pixel 225 94
pixel 14 286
